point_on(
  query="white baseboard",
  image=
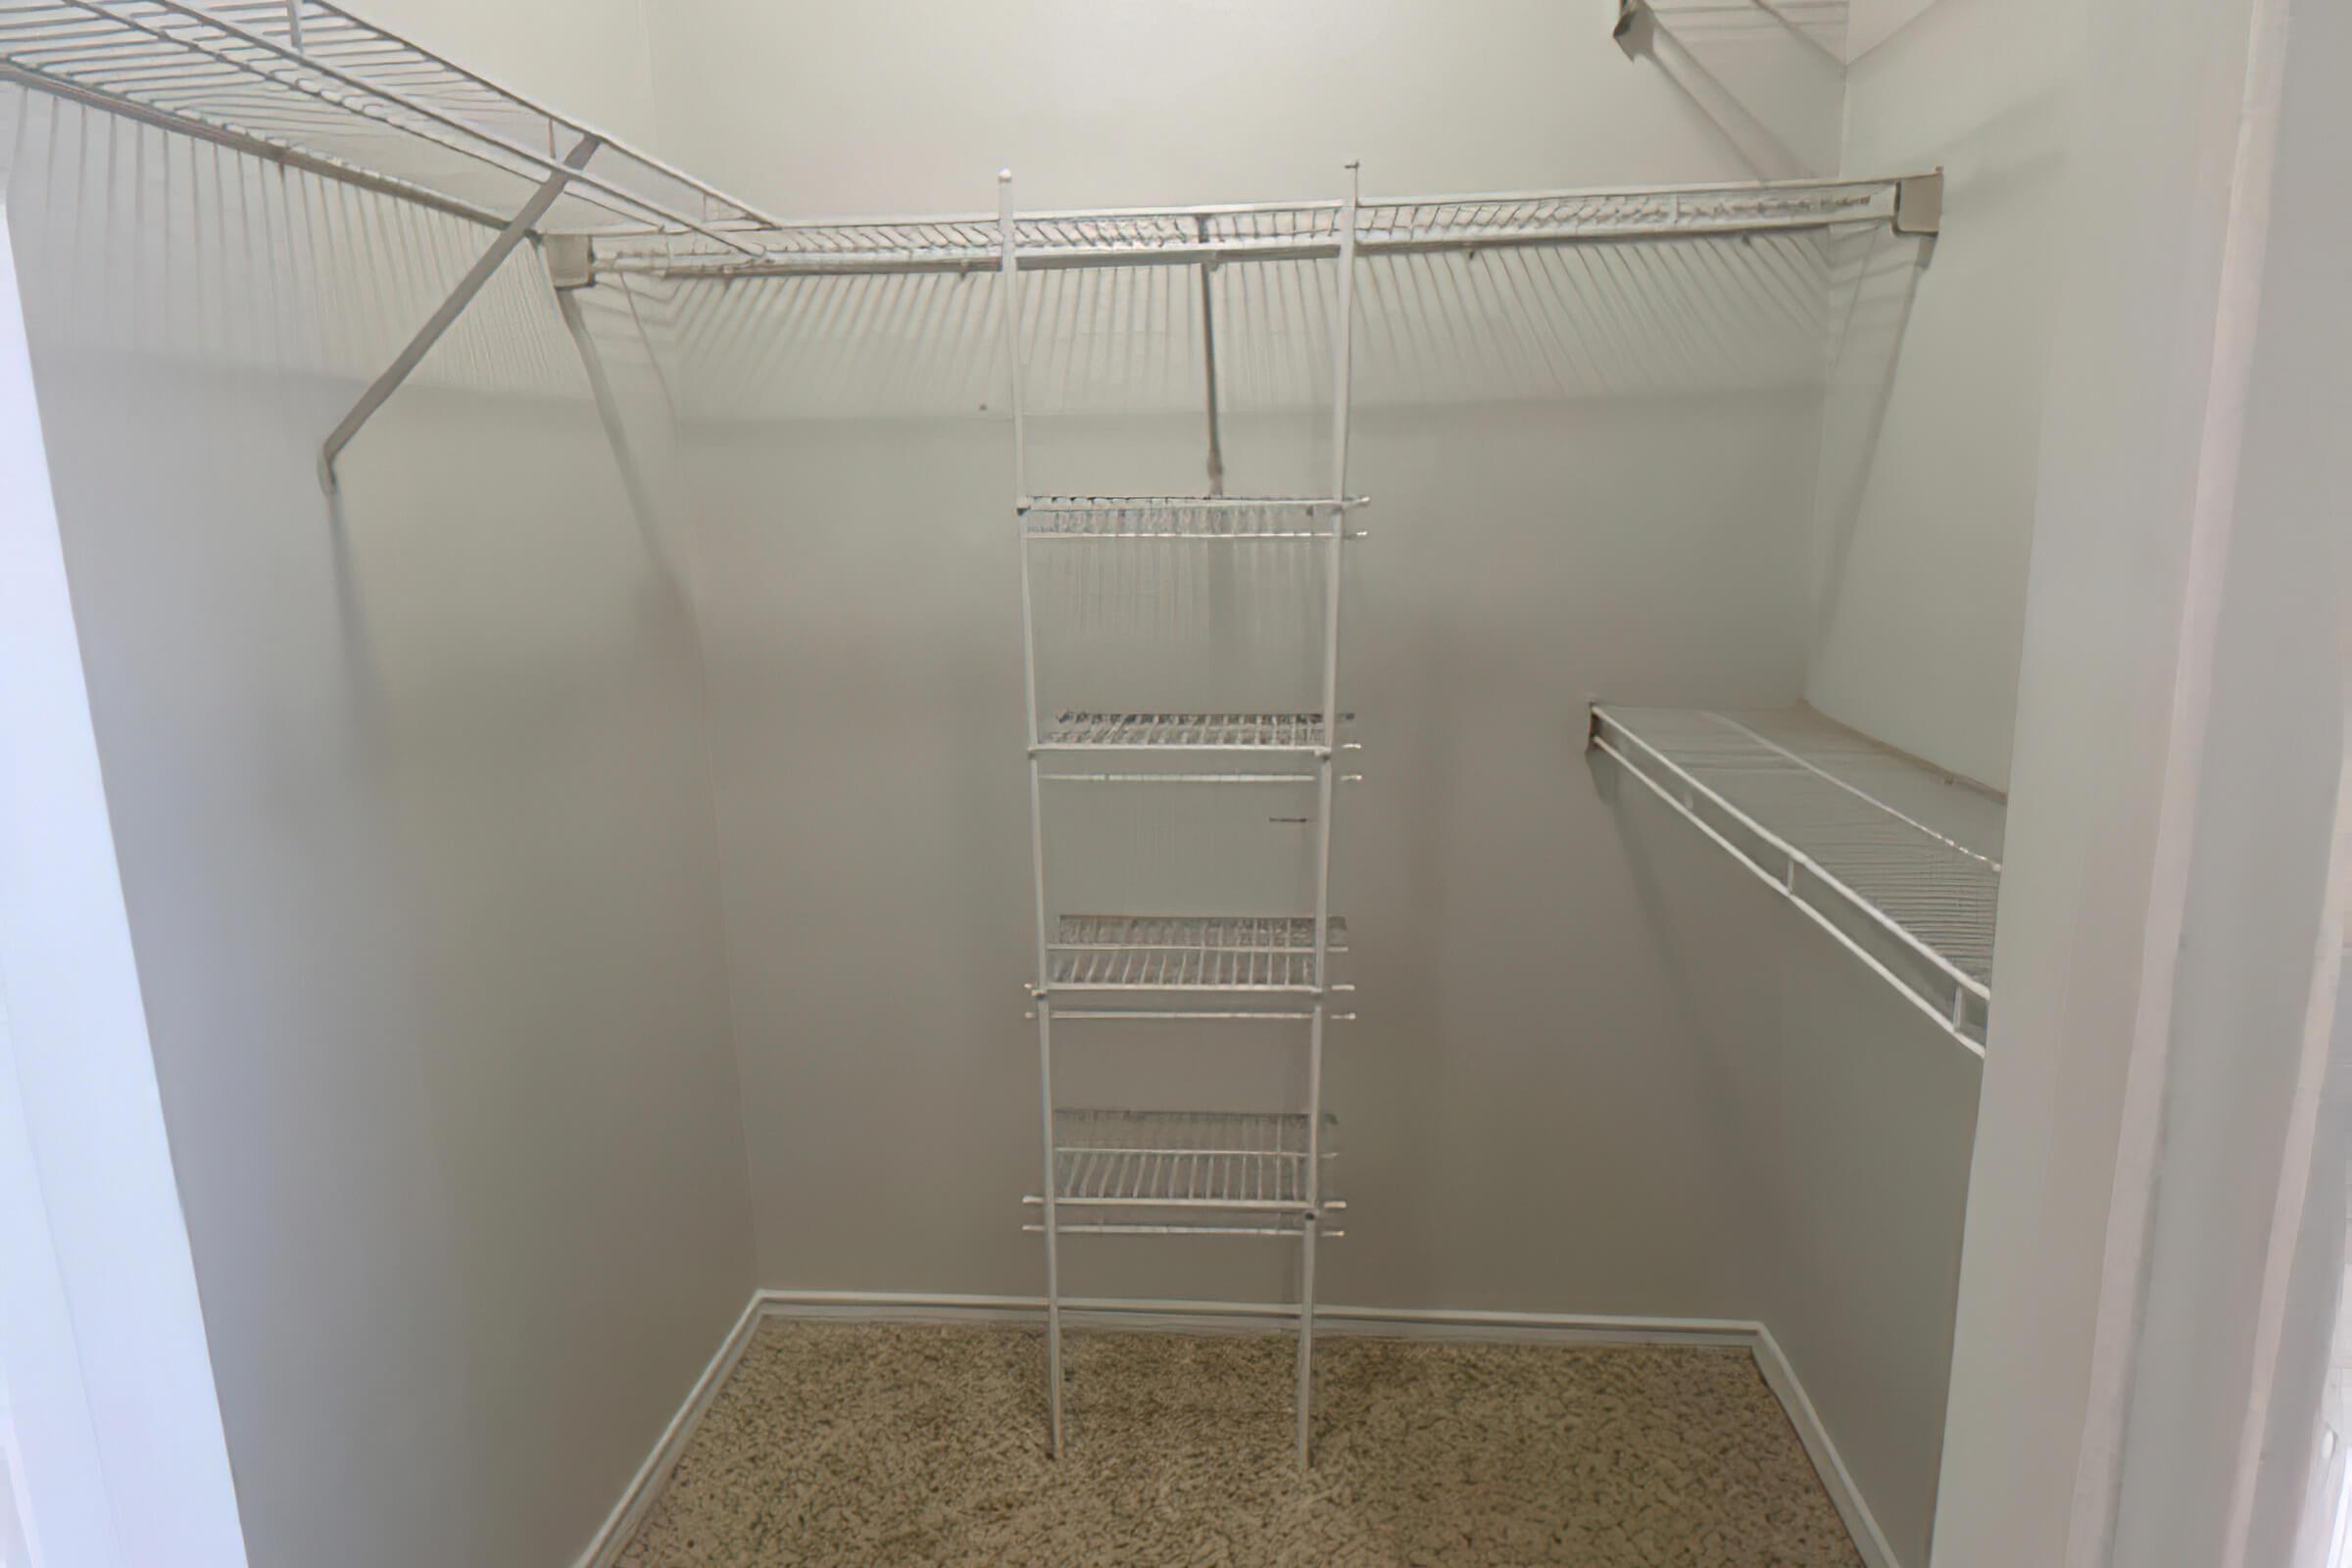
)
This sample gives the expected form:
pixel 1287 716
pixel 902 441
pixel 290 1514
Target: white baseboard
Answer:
pixel 1778 1376
pixel 1244 1317
pixel 604 1547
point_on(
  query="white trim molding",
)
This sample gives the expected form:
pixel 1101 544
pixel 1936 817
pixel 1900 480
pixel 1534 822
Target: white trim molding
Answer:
pixel 1244 1317
pixel 604 1547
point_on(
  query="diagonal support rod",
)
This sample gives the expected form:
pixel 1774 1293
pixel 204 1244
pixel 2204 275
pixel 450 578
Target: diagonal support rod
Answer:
pixel 518 228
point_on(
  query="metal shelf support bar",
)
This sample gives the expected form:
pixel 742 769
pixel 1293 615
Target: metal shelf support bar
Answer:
pixel 518 228
pixel 1326 767
pixel 1010 304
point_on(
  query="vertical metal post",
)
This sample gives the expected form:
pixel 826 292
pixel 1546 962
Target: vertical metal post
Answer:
pixel 294 25
pixel 1310 1233
pixel 1009 262
pixel 1009 278
pixel 1209 363
pixel 1327 764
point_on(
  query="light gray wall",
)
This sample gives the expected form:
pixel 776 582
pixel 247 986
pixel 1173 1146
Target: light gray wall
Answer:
pixel 415 839
pixel 1845 1121
pixel 909 106
pixel 1929 437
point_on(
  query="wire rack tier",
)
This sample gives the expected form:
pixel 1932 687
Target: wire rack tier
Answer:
pixel 1185 1159
pixel 310 84
pixel 1186 953
pixel 1079 731
pixel 1180 518
pixel 1899 860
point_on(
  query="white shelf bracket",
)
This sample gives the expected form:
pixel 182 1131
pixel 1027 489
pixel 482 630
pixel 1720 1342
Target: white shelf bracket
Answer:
pixel 518 228
pixel 1919 204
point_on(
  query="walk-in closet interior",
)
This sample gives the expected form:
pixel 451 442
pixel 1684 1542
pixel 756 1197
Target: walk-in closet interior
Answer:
pixel 1171 834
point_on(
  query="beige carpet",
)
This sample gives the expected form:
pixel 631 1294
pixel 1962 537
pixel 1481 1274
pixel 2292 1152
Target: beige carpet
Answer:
pixel 870 1444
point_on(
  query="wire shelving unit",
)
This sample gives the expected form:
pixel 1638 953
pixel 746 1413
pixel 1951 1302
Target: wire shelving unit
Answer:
pixel 1148 1173
pixel 1899 861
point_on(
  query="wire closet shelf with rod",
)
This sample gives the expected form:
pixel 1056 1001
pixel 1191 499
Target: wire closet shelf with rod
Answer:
pixel 1226 1172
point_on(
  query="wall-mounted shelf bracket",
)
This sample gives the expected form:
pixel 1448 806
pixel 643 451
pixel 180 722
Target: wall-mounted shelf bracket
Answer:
pixel 570 260
pixel 1919 204
pixel 518 228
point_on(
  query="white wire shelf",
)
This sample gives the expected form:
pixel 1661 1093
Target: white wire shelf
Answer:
pixel 1189 518
pixel 1234 1162
pixel 1186 952
pixel 1899 860
pixel 1080 731
pixel 311 85
pixel 1278 232
pixel 1292 1226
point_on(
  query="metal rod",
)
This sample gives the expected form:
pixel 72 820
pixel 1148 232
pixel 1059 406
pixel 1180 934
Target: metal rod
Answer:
pixel 1010 294
pixel 1208 369
pixel 1188 778
pixel 1166 1014
pixel 1309 1230
pixel 1044 1098
pixel 1009 267
pixel 1342 364
pixel 294 24
pixel 1099 504
pixel 1127 1229
pixel 1270 250
pixel 518 228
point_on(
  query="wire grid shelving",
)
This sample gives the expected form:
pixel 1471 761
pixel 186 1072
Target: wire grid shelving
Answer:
pixel 1226 1161
pixel 1075 730
pixel 1280 231
pixel 307 83
pixel 1190 518
pixel 1899 861
pixel 1187 952
pixel 1195 1173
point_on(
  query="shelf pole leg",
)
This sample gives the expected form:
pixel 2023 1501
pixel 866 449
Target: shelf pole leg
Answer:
pixel 1010 265
pixel 517 229
pixel 1208 366
pixel 1326 770
pixel 1045 1080
pixel 1010 296
pixel 1312 1233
